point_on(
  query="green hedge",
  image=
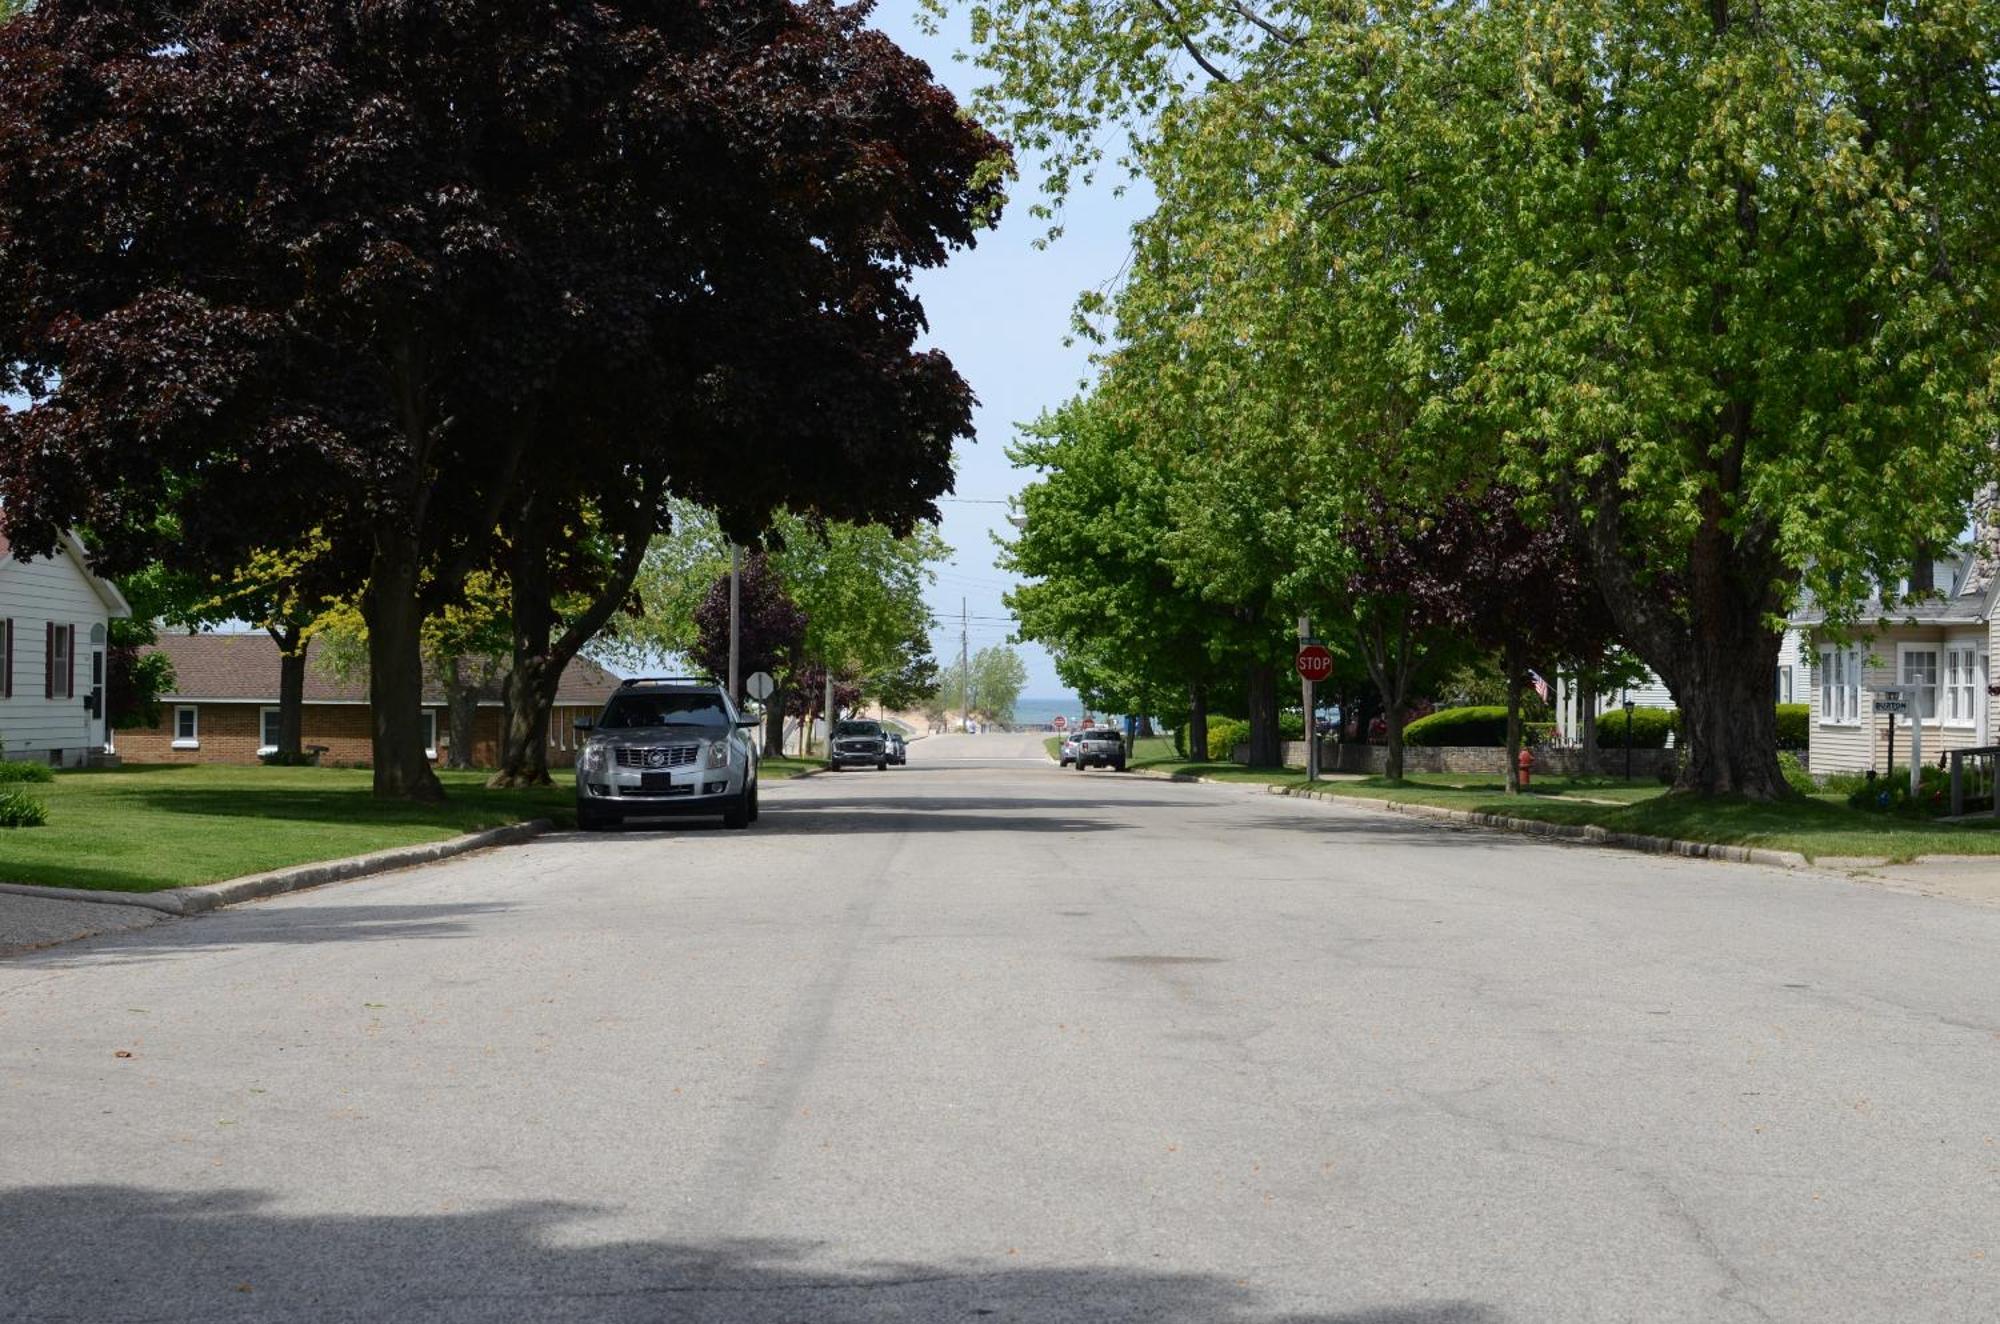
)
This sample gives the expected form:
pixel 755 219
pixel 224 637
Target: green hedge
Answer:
pixel 19 771
pixel 1224 735
pixel 1650 728
pixel 1794 725
pixel 1479 726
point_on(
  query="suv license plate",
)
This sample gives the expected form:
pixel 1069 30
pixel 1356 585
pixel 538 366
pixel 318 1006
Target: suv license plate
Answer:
pixel 656 781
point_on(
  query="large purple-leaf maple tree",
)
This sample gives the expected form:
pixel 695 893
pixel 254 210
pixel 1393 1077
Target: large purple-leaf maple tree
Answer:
pixel 453 284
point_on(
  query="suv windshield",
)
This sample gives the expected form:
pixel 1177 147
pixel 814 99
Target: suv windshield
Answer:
pixel 1104 733
pixel 858 729
pixel 661 708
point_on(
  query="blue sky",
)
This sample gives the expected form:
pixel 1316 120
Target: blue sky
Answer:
pixel 1002 312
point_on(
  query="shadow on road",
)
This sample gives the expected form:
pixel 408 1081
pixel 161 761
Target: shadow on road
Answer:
pixel 246 926
pixel 127 1253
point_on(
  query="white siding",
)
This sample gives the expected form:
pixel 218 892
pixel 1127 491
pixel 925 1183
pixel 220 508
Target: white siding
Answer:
pixel 1865 744
pixel 32 594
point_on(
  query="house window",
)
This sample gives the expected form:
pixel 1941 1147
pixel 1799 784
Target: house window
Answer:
pixel 1920 681
pixel 430 733
pixel 1961 698
pixel 187 727
pixel 270 727
pixel 60 672
pixel 1784 684
pixel 1839 686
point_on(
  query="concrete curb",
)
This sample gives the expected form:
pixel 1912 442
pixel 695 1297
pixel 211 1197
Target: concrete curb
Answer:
pixel 210 896
pixel 1534 827
pixel 1596 836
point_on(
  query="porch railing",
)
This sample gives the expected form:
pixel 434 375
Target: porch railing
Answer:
pixel 1973 779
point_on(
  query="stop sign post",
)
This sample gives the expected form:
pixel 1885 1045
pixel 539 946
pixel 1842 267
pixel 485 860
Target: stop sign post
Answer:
pixel 1314 663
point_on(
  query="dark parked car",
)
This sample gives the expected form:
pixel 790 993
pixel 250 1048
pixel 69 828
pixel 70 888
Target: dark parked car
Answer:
pixel 858 744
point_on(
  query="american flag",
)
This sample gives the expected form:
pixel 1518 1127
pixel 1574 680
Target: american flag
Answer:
pixel 1541 686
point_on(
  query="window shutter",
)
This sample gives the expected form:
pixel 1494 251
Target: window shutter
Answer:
pixel 69 662
pixel 49 660
pixel 7 658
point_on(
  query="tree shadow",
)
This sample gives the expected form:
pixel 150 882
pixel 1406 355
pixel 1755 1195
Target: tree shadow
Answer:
pixel 113 1253
pixel 252 925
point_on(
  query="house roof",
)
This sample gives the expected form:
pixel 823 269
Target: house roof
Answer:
pixel 243 668
pixel 106 591
pixel 1974 578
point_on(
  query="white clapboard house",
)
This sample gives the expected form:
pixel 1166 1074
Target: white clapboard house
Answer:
pixel 55 617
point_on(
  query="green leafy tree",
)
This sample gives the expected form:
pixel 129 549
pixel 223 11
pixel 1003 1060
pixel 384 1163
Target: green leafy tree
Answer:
pixel 1712 279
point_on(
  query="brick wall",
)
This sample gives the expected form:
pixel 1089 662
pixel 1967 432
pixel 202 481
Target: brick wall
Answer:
pixel 230 733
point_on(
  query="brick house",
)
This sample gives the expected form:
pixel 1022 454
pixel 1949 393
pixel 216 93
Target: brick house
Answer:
pixel 224 708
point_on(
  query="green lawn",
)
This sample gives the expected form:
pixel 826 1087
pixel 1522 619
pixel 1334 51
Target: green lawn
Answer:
pixel 142 829
pixel 1815 827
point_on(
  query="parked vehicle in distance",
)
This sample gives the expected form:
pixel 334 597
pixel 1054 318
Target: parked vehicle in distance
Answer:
pixel 858 743
pixel 899 749
pixel 666 747
pixel 1066 754
pixel 1103 746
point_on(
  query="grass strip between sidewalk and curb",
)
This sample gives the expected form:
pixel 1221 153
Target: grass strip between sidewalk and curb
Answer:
pixel 209 896
pixel 1609 811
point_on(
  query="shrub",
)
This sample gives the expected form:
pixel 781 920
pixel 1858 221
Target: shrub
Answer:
pixel 18 771
pixel 1224 735
pixel 1891 794
pixel 1484 726
pixel 1650 728
pixel 1795 772
pixel 18 809
pixel 1794 725
pixel 1291 726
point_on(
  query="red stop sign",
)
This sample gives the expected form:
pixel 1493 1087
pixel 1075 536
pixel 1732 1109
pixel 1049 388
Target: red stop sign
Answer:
pixel 1314 662
pixel 1060 722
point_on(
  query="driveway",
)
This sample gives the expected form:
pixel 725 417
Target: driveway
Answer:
pixel 981 1039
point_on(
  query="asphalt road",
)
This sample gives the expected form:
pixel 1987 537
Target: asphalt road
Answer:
pixel 982 1040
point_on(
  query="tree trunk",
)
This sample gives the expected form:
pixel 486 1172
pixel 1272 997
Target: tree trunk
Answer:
pixel 1197 750
pixel 1513 769
pixel 774 722
pixel 1585 694
pixel 1266 749
pixel 1710 644
pixel 1392 755
pixel 291 690
pixel 540 655
pixel 394 616
pixel 1145 728
pixel 1728 739
pixel 529 689
pixel 461 699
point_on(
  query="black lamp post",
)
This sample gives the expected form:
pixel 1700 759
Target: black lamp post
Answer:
pixel 1629 706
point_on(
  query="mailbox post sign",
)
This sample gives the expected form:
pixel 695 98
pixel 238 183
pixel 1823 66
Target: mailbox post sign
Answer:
pixel 1889 701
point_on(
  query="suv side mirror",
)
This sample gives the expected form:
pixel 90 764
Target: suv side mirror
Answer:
pixel 585 724
pixel 749 723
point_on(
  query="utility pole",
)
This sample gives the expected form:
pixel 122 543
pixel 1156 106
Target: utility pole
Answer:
pixel 735 623
pixel 1306 687
pixel 829 710
pixel 964 673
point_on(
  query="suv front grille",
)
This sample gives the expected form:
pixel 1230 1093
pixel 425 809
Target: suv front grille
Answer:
pixel 653 757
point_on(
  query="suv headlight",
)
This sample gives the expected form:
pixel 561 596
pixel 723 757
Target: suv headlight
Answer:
pixel 718 754
pixel 592 759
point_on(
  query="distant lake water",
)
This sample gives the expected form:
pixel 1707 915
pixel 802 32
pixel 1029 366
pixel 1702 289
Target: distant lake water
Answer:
pixel 1037 712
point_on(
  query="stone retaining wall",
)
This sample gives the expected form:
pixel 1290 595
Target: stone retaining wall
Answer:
pixel 1555 762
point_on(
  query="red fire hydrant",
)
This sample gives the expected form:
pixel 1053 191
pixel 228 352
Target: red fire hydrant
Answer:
pixel 1526 764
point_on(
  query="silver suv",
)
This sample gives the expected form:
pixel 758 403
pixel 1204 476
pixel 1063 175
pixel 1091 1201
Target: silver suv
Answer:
pixel 667 747
pixel 1102 745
